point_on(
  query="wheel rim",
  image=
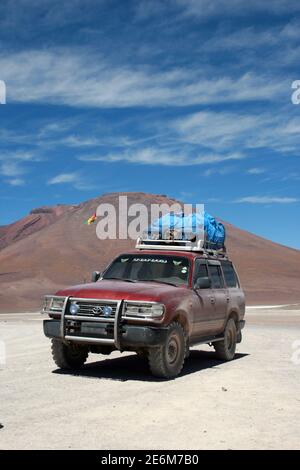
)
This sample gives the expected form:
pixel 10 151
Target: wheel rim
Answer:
pixel 173 349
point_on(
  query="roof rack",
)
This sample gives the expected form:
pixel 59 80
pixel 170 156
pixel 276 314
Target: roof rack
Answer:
pixel 179 245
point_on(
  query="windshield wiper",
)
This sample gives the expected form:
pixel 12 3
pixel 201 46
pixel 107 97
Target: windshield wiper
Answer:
pixel 119 279
pixel 159 282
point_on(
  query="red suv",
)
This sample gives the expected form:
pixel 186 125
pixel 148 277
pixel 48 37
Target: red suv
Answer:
pixel 156 302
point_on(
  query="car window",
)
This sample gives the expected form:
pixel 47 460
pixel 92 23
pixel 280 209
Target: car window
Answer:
pixel 216 276
pixel 200 270
pixel 229 274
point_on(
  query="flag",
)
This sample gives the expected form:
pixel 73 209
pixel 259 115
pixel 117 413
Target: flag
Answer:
pixel 91 219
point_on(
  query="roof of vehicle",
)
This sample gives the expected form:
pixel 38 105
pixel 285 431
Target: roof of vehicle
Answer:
pixel 183 254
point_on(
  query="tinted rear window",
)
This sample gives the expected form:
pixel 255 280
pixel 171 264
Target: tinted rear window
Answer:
pixel 216 276
pixel 229 274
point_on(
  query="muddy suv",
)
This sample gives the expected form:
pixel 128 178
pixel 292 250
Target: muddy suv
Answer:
pixel 156 302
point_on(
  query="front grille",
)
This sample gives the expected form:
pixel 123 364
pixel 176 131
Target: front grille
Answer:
pixel 95 308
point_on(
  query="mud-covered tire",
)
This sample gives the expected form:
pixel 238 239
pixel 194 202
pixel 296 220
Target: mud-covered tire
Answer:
pixel 68 356
pixel 166 361
pixel 225 349
pixel 142 354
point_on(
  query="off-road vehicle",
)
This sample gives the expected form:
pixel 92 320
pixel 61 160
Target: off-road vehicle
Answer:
pixel 158 300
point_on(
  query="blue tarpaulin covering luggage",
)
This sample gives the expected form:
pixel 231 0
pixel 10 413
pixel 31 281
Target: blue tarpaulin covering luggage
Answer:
pixel 190 224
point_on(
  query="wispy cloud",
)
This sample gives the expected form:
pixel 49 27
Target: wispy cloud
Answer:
pixel 213 8
pixel 256 171
pixel 18 156
pixel 81 78
pixel 226 130
pixel 16 182
pixel 78 141
pixel 11 168
pixel 14 165
pixel 74 179
pixel 158 156
pixel 64 178
pixel 219 171
pixel 203 10
pixel 266 200
pixel 252 37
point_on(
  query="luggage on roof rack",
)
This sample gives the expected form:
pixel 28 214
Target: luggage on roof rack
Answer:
pixel 200 229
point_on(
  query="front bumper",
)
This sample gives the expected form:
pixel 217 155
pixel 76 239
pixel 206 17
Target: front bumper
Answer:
pixel 129 336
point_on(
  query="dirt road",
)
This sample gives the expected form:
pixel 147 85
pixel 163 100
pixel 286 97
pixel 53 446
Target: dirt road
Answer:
pixel 252 402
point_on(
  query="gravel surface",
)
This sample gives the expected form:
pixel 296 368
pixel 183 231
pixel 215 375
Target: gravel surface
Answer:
pixel 113 402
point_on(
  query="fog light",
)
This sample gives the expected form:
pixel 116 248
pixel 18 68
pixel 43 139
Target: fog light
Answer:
pixel 74 308
pixel 107 310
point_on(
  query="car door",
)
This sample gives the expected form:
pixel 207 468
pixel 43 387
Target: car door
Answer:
pixel 221 296
pixel 236 296
pixel 203 302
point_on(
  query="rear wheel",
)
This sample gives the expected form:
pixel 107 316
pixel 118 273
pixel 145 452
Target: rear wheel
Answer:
pixel 70 356
pixel 167 360
pixel 225 349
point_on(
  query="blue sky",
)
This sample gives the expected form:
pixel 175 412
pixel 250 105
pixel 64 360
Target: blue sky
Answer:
pixel 186 98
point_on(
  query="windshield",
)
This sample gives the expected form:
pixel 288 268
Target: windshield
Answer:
pixel 158 268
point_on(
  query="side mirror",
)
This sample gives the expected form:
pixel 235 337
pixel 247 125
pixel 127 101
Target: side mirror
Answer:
pixel 203 283
pixel 95 276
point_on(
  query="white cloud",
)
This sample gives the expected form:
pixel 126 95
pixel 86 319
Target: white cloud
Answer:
pixel 224 131
pixel 63 178
pixel 203 10
pixel 215 129
pixel 53 128
pixel 11 168
pixel 256 171
pixel 280 43
pixel 219 171
pixel 212 8
pixel 18 156
pixel 77 141
pixel 76 180
pixel 266 200
pixel 81 78
pixel 157 156
pixel 16 182
pixel 15 164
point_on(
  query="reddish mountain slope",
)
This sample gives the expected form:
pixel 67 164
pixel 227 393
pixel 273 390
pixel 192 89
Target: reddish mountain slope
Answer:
pixel 66 251
pixel 35 221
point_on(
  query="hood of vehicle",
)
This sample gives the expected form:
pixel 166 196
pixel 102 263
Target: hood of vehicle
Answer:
pixel 122 290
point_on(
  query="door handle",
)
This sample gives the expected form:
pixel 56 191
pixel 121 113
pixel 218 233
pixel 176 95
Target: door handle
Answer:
pixel 227 299
pixel 212 300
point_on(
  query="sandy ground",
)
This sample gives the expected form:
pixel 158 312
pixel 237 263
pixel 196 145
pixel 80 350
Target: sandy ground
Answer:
pixel 251 403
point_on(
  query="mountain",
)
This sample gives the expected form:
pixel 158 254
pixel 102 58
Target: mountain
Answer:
pixel 41 256
pixel 35 221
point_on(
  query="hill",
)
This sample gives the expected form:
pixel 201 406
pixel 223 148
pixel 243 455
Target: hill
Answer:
pixel 41 256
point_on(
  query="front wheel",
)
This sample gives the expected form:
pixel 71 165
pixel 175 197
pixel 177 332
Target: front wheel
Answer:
pixel 166 361
pixel 225 349
pixel 70 356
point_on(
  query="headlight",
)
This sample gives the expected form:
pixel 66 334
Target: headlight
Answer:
pixel 53 304
pixel 144 310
